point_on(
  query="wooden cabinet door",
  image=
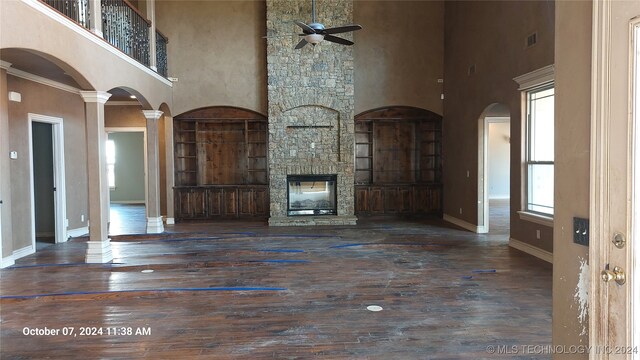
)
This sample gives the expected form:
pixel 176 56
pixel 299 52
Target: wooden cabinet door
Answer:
pixel 362 200
pixel 230 202
pixel 390 200
pixel 182 204
pixel 197 200
pixel 245 202
pixel 214 202
pixel 261 202
pixel 405 199
pixel 376 199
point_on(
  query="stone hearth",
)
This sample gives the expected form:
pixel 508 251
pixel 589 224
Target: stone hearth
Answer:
pixel 311 108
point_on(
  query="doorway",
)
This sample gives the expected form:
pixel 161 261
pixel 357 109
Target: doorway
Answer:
pixel 47 181
pixel 126 173
pixel 494 170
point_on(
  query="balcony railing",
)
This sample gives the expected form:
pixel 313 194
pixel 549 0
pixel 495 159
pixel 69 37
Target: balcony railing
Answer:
pixel 123 26
pixel 161 53
pixel 76 10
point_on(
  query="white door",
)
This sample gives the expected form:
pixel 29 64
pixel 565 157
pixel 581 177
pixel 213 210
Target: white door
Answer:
pixel 614 144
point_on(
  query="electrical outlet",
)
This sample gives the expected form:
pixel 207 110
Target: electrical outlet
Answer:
pixel 460 211
pixel 82 217
pixel 581 231
pixel 538 234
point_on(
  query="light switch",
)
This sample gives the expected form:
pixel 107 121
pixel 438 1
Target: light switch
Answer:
pixel 13 155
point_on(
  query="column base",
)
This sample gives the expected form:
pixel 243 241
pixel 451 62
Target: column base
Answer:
pixel 170 221
pixel 154 225
pixel 99 252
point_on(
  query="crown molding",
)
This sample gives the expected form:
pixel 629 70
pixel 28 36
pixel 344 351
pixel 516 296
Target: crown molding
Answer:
pixel 42 80
pixel 536 78
pixel 5 65
pixel 122 103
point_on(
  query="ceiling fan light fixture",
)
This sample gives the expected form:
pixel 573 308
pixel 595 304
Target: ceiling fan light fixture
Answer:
pixel 314 38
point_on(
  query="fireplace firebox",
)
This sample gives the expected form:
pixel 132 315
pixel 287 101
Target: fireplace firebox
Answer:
pixel 311 195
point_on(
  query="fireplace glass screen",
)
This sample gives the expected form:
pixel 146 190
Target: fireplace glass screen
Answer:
pixel 311 195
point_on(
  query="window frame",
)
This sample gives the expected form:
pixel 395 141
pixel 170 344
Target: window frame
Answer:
pixel 529 145
pixel 537 80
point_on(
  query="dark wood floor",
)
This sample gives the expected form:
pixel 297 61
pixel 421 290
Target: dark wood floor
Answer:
pixel 240 290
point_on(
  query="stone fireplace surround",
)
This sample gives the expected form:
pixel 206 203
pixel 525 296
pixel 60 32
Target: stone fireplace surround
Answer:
pixel 311 108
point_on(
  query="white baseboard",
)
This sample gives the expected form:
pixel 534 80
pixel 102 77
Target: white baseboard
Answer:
pixel 77 232
pixel 130 202
pixel 531 250
pixel 20 253
pixel 7 261
pixel 154 225
pixel 465 225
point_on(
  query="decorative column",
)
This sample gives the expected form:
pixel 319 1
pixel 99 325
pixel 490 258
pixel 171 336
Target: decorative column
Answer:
pixel 99 247
pixel 154 218
pixel 170 167
pixel 95 17
pixel 6 236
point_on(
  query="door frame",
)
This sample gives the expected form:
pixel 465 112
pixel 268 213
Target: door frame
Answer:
pixel 59 171
pixel 483 166
pixel 134 129
pixel 606 202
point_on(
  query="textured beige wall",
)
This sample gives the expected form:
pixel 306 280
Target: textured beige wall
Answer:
pixel 398 54
pixel 572 139
pixel 44 100
pixel 217 52
pixel 491 36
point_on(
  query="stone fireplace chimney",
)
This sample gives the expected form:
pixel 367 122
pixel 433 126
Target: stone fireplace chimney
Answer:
pixel 311 107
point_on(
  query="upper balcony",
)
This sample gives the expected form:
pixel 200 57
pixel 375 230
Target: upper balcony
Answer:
pixel 122 25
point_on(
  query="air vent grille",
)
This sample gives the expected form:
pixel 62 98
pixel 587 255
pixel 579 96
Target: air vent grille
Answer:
pixel 532 39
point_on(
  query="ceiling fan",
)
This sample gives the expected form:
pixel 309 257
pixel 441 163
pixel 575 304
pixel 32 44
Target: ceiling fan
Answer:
pixel 315 32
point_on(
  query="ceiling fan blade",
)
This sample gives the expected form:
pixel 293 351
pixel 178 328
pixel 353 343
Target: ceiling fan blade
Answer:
pixel 301 44
pixel 306 28
pixel 338 40
pixel 342 29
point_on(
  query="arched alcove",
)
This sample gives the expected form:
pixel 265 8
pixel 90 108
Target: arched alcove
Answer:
pixel 398 166
pixel 220 157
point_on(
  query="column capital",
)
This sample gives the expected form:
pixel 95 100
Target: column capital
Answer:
pixel 95 96
pixel 152 114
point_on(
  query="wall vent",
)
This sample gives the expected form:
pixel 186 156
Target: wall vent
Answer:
pixel 532 39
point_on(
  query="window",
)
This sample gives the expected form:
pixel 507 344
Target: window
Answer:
pixel 111 163
pixel 539 149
